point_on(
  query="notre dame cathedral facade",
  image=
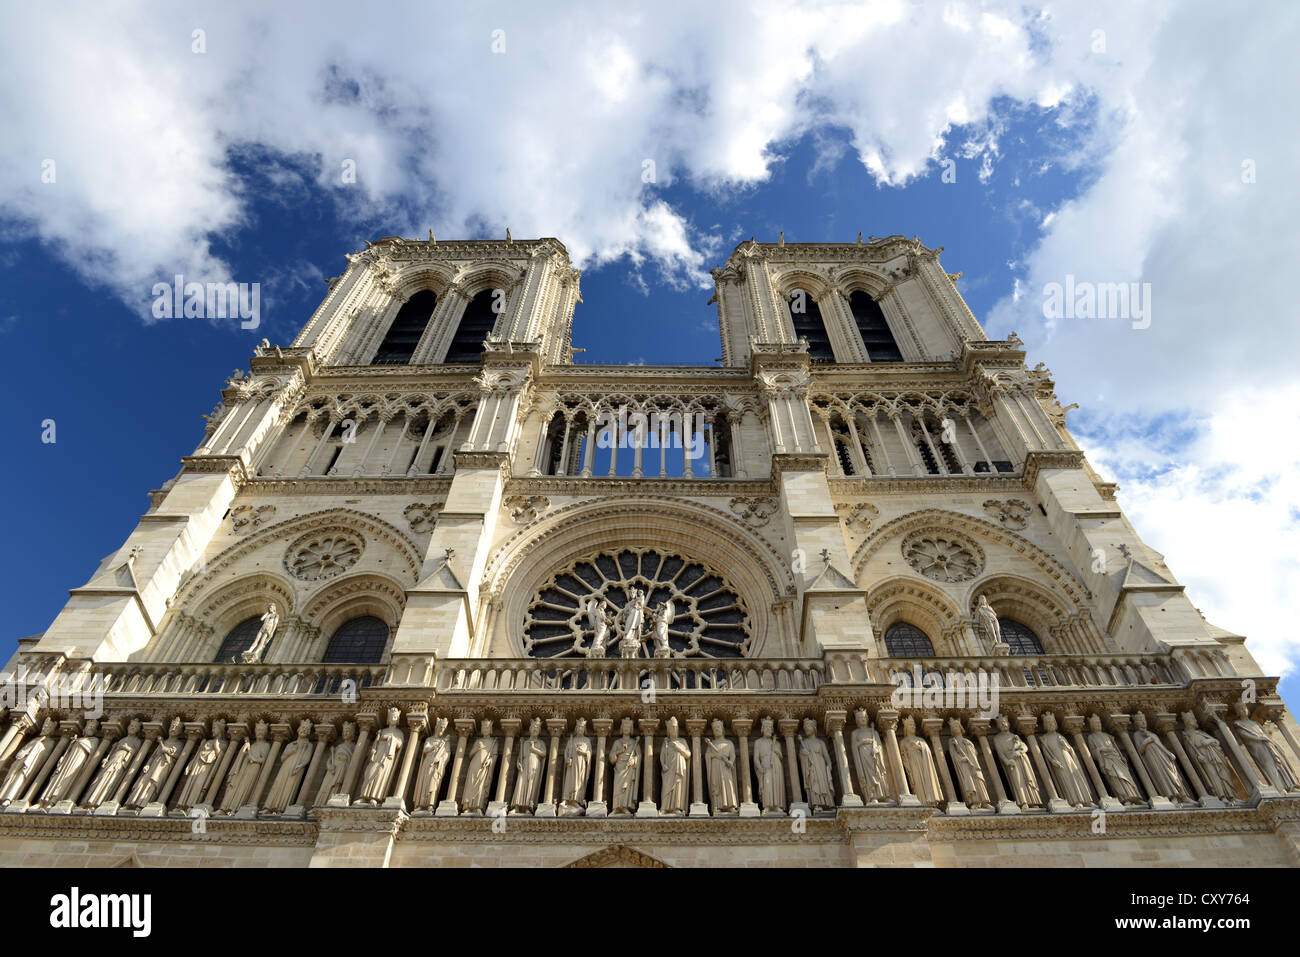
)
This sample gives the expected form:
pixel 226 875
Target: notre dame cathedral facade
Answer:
pixel 428 593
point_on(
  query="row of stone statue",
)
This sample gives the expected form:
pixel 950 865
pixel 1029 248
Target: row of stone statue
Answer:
pixel 652 771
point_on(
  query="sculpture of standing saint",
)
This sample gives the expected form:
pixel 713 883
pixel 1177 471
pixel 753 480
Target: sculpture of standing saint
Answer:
pixel 966 760
pixel 663 617
pixel 113 766
pixel 674 758
pixel 1112 763
pixel 293 764
pixel 1162 764
pixel 1067 772
pixel 265 632
pixel 1013 753
pixel 195 780
pixel 720 761
pixel 598 621
pixel 336 765
pixel 70 766
pixel 918 762
pixel 630 621
pixel 151 780
pixel 27 761
pixel 433 765
pixel 478 770
pixel 815 762
pixel 988 619
pixel 869 759
pixel 769 768
pixel 529 766
pixel 577 768
pixel 378 775
pixel 1204 749
pixel 245 769
pixel 1264 750
pixel 625 757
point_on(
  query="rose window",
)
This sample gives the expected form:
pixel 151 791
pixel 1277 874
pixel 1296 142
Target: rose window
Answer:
pixel 323 555
pixel 708 618
pixel 943 558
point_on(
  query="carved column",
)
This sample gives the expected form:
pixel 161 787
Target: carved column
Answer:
pixel 931 727
pixel 236 733
pixel 887 722
pixel 280 732
pixel 1165 724
pixel 194 732
pixel 555 728
pixel 1119 727
pixel 324 735
pixel 742 727
pixel 152 730
pixel 1245 768
pixel 835 728
pixel 597 807
pixel 366 723
pixel 694 727
pixel 416 723
pixel 788 727
pixel 979 729
pixel 450 806
pixel 1073 726
pixel 510 728
pixel 108 733
pixel 1027 724
pixel 648 807
pixel 67 734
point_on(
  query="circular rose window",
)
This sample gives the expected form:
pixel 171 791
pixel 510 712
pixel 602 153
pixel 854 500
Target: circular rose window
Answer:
pixel 945 558
pixel 324 554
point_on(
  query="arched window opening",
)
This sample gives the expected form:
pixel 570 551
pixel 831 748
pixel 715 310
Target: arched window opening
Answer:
pixel 238 640
pixel 1020 637
pixel 404 334
pixel 874 329
pixel 359 641
pixel 905 640
pixel 923 449
pixel 808 324
pixel 720 437
pixel 475 326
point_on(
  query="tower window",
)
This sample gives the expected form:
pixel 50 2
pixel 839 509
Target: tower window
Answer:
pixel 876 337
pixel 808 324
pixel 904 640
pixel 1020 637
pixel 359 641
pixel 238 640
pixel 475 326
pixel 408 327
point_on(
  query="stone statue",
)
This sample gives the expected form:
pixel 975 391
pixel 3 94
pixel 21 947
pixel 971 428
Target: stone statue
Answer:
pixel 966 760
pixel 529 766
pixel 434 757
pixel 869 759
pixel 150 783
pixel 1112 763
pixel 988 619
pixel 70 766
pixel 1266 752
pixel 336 765
pixel 769 768
pixel 815 762
pixel 720 760
pixel 629 624
pixel 1013 753
pixel 113 766
pixel 1071 780
pixel 625 756
pixel 662 619
pixel 1204 749
pixel 377 778
pixel 595 610
pixel 478 770
pixel 293 765
pixel 270 621
pixel 577 768
pixel 918 762
pixel 1162 764
pixel 27 762
pixel 196 777
pixel 245 769
pixel 674 759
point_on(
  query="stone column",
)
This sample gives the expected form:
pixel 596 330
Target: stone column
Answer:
pixel 887 722
pixel 648 807
pixel 1072 724
pixel 1119 724
pixel 416 722
pixel 67 733
pixel 931 728
pixel 18 729
pixel 555 728
pixel 1245 767
pixel 835 728
pixel 1027 724
pixel 742 727
pixel 151 731
pixel 108 733
pixel 695 727
pixel 324 735
pixel 501 803
pixel 979 729
pixel 448 806
pixel 236 733
pixel 1165 724
pixel 788 728
pixel 366 723
pixel 280 732
pixel 597 806
pixel 194 732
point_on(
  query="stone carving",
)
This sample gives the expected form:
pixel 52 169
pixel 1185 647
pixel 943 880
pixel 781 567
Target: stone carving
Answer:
pixel 526 509
pixel 270 621
pixel 421 516
pixel 857 516
pixel 720 762
pixel 988 620
pixel 1204 749
pixel 112 767
pixel 663 617
pixel 382 765
pixel 478 770
pixel 529 766
pixel 68 771
pixel 943 558
pixel 250 517
pixel 629 624
pixel 625 756
pixel 1067 772
pixel 336 765
pixel 1112 763
pixel 815 762
pixel 966 761
pixel 316 557
pixel 27 762
pixel 769 768
pixel 869 759
pixel 293 764
pixel 1013 513
pixel 196 778
pixel 1162 764
pixel 597 612
pixel 674 760
pixel 918 762
pixel 434 757
pixel 577 768
pixel 1013 754
pixel 151 780
pixel 754 511
pixel 1265 751
pixel 245 770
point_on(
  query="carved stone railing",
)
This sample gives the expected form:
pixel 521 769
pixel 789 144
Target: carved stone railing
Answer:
pixel 701 675
pixel 271 680
pixel 1037 671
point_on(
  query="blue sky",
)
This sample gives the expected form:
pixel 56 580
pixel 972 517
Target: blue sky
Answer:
pixel 1115 161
